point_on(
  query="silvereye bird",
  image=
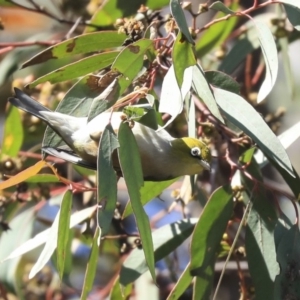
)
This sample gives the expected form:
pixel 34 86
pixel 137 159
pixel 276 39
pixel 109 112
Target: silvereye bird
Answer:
pixel 162 156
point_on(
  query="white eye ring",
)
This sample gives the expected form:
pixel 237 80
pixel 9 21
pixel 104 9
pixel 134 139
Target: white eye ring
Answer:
pixel 195 151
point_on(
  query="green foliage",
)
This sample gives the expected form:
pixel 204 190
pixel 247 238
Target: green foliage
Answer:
pixel 209 81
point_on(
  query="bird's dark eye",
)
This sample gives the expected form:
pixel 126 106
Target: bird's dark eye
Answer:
pixel 196 151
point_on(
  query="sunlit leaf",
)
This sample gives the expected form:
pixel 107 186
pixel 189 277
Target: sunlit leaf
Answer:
pixel 79 68
pixel 85 43
pixel 22 176
pixel 171 99
pixel 43 236
pixel 269 51
pixel 204 92
pixel 13 133
pixel 49 248
pixel 182 48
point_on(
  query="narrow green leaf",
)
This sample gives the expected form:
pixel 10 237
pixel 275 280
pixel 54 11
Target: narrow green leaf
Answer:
pixel 85 43
pixel 107 179
pixel 260 245
pixel 149 191
pixel 79 68
pixel 181 285
pixel 165 239
pixel 203 284
pixel 91 267
pixel 204 92
pixel 13 133
pixel 222 81
pixel 219 6
pixel 243 115
pixel 269 50
pixel 132 172
pixel 117 292
pixel 216 34
pixel 182 48
pixel 64 231
pixel 210 229
pixel 180 19
pixel 288 252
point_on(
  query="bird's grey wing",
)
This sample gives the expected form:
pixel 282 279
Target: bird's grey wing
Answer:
pixel 70 156
pixel 26 103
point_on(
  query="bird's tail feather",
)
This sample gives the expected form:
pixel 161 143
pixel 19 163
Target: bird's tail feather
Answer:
pixel 26 103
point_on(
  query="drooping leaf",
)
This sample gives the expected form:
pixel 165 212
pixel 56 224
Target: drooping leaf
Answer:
pixel 269 51
pixel 180 19
pixel 260 245
pixel 204 92
pixel 243 115
pixel 165 239
pixel 91 267
pixel 63 235
pixel 22 176
pixel 210 229
pixel 79 68
pixel 132 172
pixel 13 133
pixel 182 48
pixel 107 179
pixel 85 43
pixel 172 97
pixel 48 249
pixel 43 236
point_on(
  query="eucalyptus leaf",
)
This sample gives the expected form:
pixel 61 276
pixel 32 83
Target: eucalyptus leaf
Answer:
pixel 243 115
